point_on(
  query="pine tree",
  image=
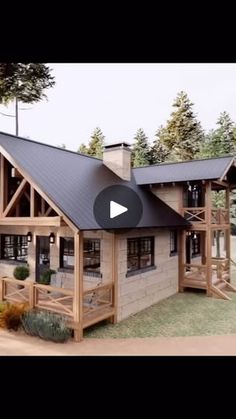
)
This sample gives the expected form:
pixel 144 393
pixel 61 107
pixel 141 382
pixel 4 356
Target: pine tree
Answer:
pixel 183 133
pixel 96 144
pixel 82 149
pixel 24 83
pixel 141 150
pixel 220 141
pixel 159 152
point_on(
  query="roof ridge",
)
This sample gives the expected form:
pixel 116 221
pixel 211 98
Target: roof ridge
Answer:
pixel 48 145
pixel 185 161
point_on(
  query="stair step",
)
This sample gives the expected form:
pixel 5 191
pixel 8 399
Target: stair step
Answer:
pixel 220 285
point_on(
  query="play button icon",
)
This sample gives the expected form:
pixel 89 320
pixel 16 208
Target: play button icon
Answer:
pixel 117 207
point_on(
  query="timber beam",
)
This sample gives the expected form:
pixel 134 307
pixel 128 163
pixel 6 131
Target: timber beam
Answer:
pixel 32 221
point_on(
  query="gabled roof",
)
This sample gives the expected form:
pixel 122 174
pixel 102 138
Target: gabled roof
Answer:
pixel 205 169
pixel 72 181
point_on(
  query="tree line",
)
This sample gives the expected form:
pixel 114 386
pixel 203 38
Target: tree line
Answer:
pixel 182 138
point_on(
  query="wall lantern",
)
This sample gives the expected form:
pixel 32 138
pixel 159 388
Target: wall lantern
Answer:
pixel 194 236
pixel 52 238
pixel 29 237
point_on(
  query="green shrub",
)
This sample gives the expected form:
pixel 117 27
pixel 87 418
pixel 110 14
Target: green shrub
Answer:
pixel 45 277
pixel 21 272
pixel 47 326
pixel 10 317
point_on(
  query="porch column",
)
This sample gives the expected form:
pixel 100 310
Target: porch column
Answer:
pixel 228 232
pixel 115 277
pixel 208 239
pixel 78 287
pixel 181 257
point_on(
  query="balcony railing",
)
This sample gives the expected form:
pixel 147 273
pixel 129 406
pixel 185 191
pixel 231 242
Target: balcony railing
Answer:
pixel 197 215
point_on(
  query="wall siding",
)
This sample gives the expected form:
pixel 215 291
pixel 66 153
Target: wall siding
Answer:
pixel 138 292
pixel 171 195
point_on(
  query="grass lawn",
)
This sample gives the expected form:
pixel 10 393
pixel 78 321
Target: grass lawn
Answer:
pixel 187 314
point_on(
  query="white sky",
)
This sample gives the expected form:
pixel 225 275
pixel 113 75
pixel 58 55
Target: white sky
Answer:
pixel 120 98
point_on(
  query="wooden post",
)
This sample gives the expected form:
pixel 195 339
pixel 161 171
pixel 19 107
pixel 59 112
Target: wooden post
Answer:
pixel 42 206
pixel 32 213
pixel 2 185
pixel 31 295
pixel 181 257
pixel 2 289
pixel 203 246
pixel 78 287
pixel 208 239
pixel 114 262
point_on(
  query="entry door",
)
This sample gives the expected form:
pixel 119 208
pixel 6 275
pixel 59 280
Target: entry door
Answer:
pixel 42 255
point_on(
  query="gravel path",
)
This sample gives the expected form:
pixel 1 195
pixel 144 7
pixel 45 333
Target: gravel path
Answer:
pixel 16 344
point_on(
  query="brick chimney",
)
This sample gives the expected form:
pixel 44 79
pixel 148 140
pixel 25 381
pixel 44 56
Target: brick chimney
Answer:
pixel 117 157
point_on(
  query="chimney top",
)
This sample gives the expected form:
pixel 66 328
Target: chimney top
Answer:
pixel 117 145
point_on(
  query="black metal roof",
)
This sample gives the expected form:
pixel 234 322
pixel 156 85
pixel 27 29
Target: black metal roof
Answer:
pixel 204 169
pixel 72 181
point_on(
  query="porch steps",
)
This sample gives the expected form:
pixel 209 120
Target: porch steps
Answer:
pixel 220 286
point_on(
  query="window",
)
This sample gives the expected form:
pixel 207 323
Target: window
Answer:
pixel 173 243
pixel 196 247
pixel 14 248
pixel 92 257
pixel 140 253
pixel 67 252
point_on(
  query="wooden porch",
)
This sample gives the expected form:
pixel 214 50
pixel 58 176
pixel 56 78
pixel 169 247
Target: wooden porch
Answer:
pixel 98 301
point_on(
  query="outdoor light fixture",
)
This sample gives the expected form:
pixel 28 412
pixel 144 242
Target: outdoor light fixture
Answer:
pixel 52 238
pixel 194 236
pixel 29 237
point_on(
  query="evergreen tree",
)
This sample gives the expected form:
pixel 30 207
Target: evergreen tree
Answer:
pixel 220 141
pixel 183 133
pixel 83 149
pixel 96 144
pixel 24 83
pixel 159 152
pixel 141 150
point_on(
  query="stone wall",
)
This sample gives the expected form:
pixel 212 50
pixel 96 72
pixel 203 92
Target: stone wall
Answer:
pixel 140 291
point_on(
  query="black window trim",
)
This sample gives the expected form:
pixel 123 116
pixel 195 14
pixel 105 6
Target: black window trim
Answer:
pixel 62 268
pixel 89 271
pixel 174 252
pixel 140 270
pixel 15 247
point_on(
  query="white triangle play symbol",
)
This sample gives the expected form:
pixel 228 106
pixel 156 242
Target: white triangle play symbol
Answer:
pixel 116 209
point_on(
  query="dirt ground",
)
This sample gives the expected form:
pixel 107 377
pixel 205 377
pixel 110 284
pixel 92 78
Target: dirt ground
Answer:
pixel 12 343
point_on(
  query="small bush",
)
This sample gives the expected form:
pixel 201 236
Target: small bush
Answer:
pixel 45 278
pixel 10 316
pixel 21 272
pixel 47 326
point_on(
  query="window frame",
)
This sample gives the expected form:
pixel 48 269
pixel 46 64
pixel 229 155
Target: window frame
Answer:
pixel 174 250
pixel 137 242
pixel 17 245
pixel 69 253
pixel 88 271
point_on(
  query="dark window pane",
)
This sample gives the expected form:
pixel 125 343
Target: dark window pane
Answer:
pixel 92 261
pixel 67 252
pixel 140 253
pixel 14 247
pixel 173 242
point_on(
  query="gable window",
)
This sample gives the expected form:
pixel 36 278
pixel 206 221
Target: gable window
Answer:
pixel 67 252
pixel 196 245
pixel 140 254
pixel 92 257
pixel 14 247
pixel 173 243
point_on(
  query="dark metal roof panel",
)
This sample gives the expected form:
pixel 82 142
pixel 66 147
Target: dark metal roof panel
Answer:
pixel 72 181
pixel 183 171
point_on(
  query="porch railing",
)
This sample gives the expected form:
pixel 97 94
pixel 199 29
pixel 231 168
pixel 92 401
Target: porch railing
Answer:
pixel 197 215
